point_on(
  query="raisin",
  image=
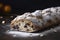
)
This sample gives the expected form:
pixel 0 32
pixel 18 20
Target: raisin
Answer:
pixel 39 17
pixel 49 11
pixel 19 23
pixel 22 20
pixel 27 29
pixel 49 21
pixel 34 29
pixel 25 26
pixel 32 26
pixel 16 27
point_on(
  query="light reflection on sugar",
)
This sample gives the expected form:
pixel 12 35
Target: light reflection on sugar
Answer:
pixel 3 22
pixel 41 35
pixel 22 34
pixel 55 30
pixel 14 35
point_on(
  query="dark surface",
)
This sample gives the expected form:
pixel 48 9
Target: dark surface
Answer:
pixel 5 34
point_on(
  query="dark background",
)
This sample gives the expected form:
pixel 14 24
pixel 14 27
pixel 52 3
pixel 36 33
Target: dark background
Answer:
pixel 21 6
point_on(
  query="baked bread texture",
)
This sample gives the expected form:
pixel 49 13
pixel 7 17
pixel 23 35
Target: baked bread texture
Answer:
pixel 35 21
pixel 28 24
